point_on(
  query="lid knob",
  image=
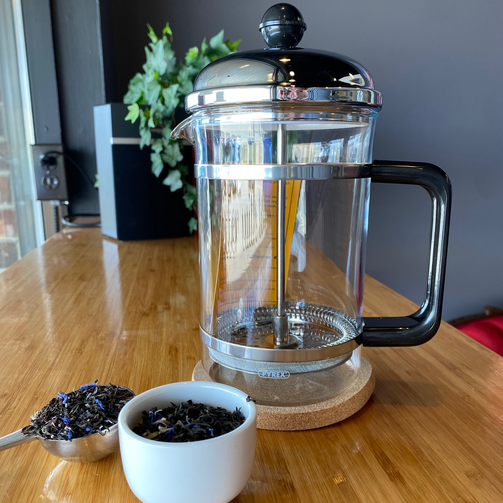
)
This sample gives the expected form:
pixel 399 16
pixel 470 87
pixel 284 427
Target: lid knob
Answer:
pixel 282 26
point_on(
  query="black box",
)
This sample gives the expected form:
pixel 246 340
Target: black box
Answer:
pixel 134 203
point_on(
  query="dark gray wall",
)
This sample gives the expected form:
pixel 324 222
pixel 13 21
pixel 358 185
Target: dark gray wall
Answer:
pixel 439 67
pixel 79 67
pixel 124 31
pixel 42 70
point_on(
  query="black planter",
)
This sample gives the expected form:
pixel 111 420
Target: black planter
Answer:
pixel 134 203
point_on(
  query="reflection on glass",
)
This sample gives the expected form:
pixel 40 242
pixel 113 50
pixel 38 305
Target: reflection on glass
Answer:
pixel 238 243
pixel 218 141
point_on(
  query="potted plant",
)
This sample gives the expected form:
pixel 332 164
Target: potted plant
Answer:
pixel 154 96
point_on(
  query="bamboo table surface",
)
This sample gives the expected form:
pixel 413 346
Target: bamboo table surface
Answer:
pixel 83 307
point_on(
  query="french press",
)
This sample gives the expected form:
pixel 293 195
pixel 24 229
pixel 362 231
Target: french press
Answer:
pixel 283 142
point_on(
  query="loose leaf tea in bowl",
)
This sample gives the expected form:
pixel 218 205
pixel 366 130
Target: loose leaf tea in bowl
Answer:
pixel 188 422
pixel 91 409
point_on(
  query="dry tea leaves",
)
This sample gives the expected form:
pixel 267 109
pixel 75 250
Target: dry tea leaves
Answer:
pixel 188 422
pixel 91 409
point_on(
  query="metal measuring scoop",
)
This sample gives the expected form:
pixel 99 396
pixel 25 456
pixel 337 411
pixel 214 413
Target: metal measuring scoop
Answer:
pixel 80 450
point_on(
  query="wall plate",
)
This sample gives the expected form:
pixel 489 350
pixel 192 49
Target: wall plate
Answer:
pixel 50 176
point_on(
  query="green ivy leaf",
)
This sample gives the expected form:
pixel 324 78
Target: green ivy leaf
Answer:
pixel 132 96
pixel 160 114
pixel 218 46
pixel 184 170
pixel 204 46
pixel 171 154
pixel 151 123
pixel 170 57
pixel 145 136
pixel 200 64
pixel 171 99
pixel 152 91
pixel 97 182
pixel 158 60
pixel 151 34
pixel 157 164
pixel 137 80
pixel 157 146
pixel 192 225
pixel 167 30
pixel 185 79
pixel 217 40
pixel 191 189
pixel 134 112
pixel 190 196
pixel 149 77
pixel 191 55
pixel 173 180
pixel 143 119
pixel 135 89
pixel 232 46
pixel 148 66
pixel 166 134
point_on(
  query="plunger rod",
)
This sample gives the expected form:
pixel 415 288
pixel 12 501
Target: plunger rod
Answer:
pixel 281 320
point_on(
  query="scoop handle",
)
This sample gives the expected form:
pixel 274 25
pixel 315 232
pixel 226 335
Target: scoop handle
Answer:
pixel 14 439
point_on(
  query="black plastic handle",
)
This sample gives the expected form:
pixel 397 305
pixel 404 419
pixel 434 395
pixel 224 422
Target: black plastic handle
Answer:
pixel 421 326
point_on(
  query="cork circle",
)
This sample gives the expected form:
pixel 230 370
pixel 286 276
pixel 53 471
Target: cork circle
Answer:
pixel 308 417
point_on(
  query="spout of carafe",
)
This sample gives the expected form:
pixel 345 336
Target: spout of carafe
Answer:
pixel 184 130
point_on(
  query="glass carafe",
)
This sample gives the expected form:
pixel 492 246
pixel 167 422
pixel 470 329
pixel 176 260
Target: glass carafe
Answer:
pixel 283 182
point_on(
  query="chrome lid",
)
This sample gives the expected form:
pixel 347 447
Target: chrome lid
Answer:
pixel 283 72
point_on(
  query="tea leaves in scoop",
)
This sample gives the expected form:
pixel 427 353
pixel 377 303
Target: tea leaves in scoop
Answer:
pixel 91 409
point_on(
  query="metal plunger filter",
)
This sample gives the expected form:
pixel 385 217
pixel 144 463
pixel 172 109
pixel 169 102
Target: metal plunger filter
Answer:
pixel 314 333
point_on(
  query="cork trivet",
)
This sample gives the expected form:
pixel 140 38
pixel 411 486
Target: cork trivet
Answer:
pixel 307 417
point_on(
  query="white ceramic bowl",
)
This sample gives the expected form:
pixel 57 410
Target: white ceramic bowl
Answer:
pixel 210 471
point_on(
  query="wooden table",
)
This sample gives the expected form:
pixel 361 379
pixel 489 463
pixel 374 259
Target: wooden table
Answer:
pixel 83 307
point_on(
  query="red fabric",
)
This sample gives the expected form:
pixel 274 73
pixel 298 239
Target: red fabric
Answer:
pixel 488 331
